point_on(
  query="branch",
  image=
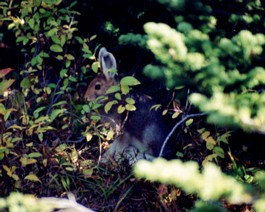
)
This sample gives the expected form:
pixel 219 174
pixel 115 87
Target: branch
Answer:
pixel 175 127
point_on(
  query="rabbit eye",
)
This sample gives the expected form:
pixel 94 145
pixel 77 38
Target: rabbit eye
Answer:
pixel 97 86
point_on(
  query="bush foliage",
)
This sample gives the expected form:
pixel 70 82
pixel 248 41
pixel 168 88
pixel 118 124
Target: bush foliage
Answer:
pixel 206 56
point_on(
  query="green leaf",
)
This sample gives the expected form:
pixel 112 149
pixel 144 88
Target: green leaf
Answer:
pixel 27 161
pixel 87 172
pixel 130 107
pixel 72 79
pixel 63 40
pixel 38 2
pixel 113 89
pixel 79 39
pixel 95 67
pixel 129 81
pixel 156 107
pixel 32 177
pixel 210 143
pixel 86 108
pixel 8 112
pixel 31 23
pixel 52 32
pixel 189 122
pixel 34 155
pixel 130 101
pixel 59 57
pixel 2 109
pixel 5 84
pixel 125 89
pixel 95 117
pixel 60 103
pixel 67 63
pixel 16 127
pixel 118 96
pixel 63 73
pixel 110 135
pixel 109 105
pixel 56 48
pixel 175 115
pixel 89 136
pixel 20 39
pixel 56 113
pixel 69 57
pixel 55 39
pixel 121 109
pixel 37 111
pixel 219 151
pixel 165 112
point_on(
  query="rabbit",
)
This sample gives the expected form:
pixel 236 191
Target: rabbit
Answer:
pixel 141 133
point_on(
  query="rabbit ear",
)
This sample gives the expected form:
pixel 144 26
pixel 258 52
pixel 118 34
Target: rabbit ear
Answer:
pixel 107 62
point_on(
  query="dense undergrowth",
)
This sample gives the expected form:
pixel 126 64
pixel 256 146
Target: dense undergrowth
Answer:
pixel 205 59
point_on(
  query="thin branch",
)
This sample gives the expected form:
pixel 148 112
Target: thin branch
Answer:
pixel 175 127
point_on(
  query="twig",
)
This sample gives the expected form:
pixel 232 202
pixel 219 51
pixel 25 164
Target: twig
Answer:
pixel 175 127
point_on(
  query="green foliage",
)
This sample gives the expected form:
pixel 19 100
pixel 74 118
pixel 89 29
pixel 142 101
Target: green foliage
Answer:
pixel 223 73
pixel 44 108
pixel 19 202
pixel 214 145
pixel 209 185
pixel 204 49
pixel 116 100
pixel 120 93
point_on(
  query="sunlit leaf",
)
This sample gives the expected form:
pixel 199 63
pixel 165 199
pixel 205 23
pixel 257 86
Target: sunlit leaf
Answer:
pixel 129 81
pixel 113 89
pixel 175 115
pixel 121 109
pixel 95 66
pixel 189 122
pixel 130 101
pixel 130 107
pixel 109 105
pixel 117 96
pixel 27 161
pixel 110 135
pixel 125 89
pixel 32 177
pixel 34 155
pixel 89 136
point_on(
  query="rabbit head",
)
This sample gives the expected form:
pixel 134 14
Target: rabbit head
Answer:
pixel 100 84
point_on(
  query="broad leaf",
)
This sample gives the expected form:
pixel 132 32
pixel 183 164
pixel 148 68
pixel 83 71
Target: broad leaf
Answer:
pixel 56 48
pixel 129 81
